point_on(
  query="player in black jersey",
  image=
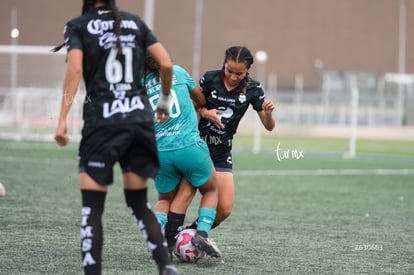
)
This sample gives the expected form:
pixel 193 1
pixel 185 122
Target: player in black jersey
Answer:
pixel 108 47
pixel 228 93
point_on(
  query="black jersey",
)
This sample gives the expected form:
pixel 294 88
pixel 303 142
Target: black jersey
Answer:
pixel 233 104
pixel 114 91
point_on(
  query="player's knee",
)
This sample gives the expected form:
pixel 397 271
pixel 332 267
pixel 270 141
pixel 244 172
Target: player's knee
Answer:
pixel 208 187
pixel 224 212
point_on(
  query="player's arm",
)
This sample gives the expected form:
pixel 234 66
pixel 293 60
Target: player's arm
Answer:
pixel 160 55
pixel 197 97
pixel 266 115
pixel 70 87
pixel 198 100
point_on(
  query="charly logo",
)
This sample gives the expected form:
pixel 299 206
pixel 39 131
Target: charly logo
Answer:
pixel 229 160
pixel 214 94
pixel 285 154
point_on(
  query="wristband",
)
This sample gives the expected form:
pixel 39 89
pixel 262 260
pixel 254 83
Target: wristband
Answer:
pixel 164 103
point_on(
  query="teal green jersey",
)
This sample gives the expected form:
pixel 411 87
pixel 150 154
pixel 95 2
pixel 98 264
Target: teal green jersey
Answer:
pixel 181 128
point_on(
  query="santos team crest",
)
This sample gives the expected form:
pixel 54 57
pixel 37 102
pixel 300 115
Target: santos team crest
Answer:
pixel 242 98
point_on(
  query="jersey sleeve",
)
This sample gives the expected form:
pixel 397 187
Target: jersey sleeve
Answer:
pixel 72 36
pixel 148 36
pixel 204 83
pixel 258 97
pixel 184 77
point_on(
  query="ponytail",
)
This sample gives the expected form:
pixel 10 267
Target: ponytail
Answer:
pixel 87 5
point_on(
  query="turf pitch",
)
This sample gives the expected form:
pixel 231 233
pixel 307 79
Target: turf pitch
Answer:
pixel 312 212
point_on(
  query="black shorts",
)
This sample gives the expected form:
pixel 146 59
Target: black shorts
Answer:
pixel 221 157
pixel 132 145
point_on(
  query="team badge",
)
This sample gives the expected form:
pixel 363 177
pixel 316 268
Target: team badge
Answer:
pixel 242 98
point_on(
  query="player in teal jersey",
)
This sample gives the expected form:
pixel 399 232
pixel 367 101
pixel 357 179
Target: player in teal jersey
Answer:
pixel 183 155
pixel 108 47
pixel 228 92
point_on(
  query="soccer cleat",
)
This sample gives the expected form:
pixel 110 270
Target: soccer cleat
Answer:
pixel 206 244
pixel 169 270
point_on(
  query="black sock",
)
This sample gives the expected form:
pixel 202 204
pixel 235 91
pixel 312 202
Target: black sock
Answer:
pixel 149 226
pixel 174 221
pixel 93 203
pixel 214 225
pixel 195 223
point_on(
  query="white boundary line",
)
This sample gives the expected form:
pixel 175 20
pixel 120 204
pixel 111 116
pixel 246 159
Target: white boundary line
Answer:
pixel 252 173
pixel 41 160
pixel 325 172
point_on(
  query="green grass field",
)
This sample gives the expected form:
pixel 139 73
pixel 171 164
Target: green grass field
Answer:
pixel 311 212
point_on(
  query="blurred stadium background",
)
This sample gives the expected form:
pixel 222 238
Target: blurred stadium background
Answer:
pixel 338 71
pixel 333 68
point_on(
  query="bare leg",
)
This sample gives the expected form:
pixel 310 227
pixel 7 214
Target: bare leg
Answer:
pixel 226 196
pixel 178 208
pixel 183 198
pixel 209 192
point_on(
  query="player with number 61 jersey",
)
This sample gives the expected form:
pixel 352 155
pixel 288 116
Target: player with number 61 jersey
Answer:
pixel 114 92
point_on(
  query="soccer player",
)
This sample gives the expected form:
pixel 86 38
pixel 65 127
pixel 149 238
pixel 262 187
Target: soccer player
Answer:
pixel 108 47
pixel 183 155
pixel 228 93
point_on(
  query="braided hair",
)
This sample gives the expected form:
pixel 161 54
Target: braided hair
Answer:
pixel 89 4
pixel 151 66
pixel 240 54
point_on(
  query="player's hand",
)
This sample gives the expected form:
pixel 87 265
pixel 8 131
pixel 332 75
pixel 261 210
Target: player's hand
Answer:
pixel 163 108
pixel 161 116
pixel 61 135
pixel 214 116
pixel 268 106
